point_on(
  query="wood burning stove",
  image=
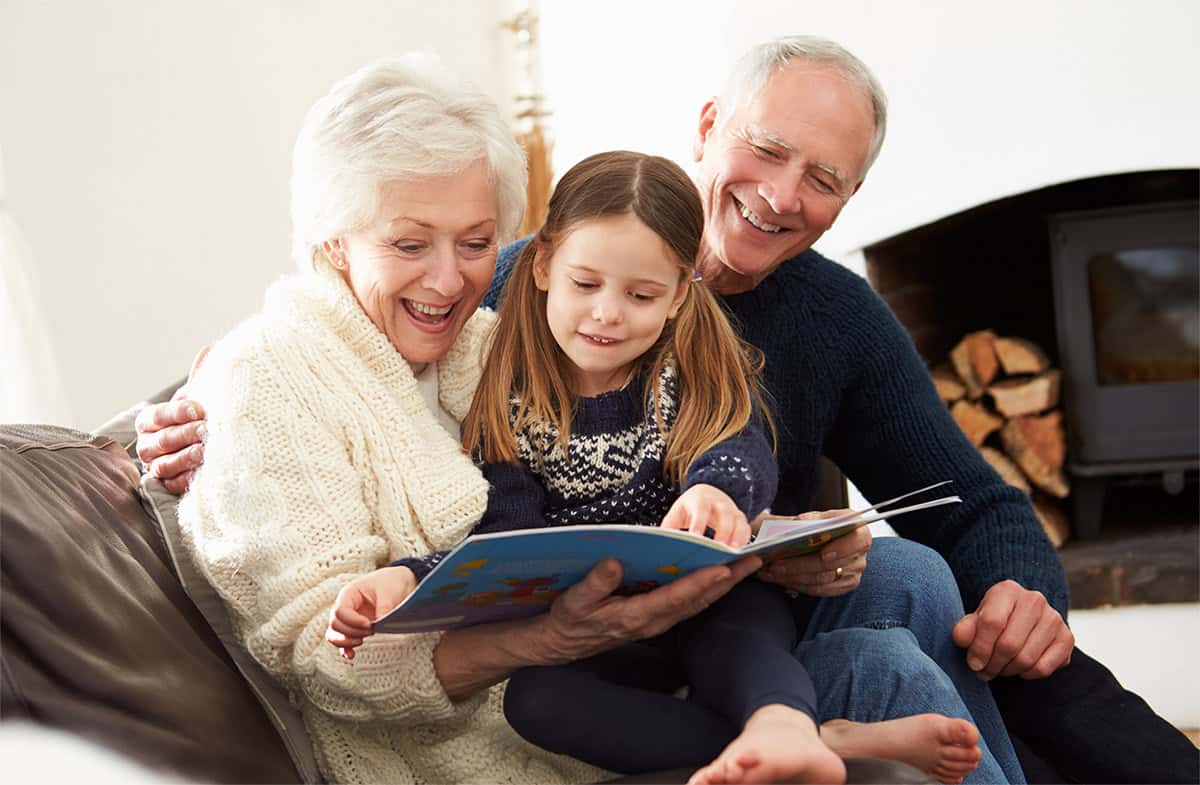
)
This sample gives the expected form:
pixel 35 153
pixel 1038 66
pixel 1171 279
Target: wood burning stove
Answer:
pixel 1127 310
pixel 994 267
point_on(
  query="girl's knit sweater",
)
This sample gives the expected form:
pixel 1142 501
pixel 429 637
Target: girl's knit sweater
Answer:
pixel 322 462
pixel 612 469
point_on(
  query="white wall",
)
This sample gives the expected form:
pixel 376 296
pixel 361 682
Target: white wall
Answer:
pixel 630 74
pixel 146 148
pixel 146 144
pixel 987 99
pixel 1153 650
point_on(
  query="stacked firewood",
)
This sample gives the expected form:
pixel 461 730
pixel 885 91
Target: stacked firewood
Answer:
pixel 1004 395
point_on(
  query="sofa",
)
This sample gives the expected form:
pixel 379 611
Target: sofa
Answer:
pixel 108 637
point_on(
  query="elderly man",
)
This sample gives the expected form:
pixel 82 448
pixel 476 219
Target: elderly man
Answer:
pixel 779 154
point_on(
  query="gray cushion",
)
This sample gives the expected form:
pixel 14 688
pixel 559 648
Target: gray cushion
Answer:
pixel 164 505
pixel 99 637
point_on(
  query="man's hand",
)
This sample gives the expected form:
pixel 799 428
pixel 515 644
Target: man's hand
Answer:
pixel 832 571
pixel 170 440
pixel 1014 632
pixel 587 619
pixel 704 507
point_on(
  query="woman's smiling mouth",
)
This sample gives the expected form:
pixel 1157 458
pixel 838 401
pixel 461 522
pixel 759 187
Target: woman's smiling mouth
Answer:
pixel 425 313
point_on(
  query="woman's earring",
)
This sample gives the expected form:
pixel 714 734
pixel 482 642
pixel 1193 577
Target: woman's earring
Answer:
pixel 333 253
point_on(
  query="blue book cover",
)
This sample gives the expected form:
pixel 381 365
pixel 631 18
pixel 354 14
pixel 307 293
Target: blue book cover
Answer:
pixel 510 575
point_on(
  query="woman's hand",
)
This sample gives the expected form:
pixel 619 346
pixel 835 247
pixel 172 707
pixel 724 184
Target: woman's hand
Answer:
pixel 832 571
pixel 704 507
pixel 170 436
pixel 585 620
pixel 362 601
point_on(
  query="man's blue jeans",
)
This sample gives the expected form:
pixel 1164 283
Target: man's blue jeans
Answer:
pixel 884 651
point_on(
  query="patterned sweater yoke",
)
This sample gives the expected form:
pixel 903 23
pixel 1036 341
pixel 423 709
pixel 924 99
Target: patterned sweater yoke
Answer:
pixel 612 469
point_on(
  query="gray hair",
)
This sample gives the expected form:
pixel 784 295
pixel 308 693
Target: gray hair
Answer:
pixel 397 118
pixel 752 70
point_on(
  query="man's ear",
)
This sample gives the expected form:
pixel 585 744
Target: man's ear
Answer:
pixel 335 252
pixel 857 186
pixel 708 121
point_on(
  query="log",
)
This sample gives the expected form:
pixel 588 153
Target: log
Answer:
pixel 975 362
pixel 1038 446
pixel 975 420
pixel 1008 471
pixel 1033 395
pixel 1018 356
pixel 1053 519
pixel 949 387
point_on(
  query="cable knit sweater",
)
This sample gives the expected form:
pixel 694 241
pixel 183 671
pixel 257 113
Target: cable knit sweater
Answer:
pixel 322 464
pixel 846 382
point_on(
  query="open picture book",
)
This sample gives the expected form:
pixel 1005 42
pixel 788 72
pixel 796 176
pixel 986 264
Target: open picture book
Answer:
pixel 509 575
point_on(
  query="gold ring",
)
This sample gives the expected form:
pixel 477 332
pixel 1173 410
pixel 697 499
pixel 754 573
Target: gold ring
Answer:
pixel 837 574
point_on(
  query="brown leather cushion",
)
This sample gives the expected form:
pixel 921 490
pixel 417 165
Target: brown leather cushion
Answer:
pixel 99 637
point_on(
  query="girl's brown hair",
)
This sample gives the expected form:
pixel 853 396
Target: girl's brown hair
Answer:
pixel 718 373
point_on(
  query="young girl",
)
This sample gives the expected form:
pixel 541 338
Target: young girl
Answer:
pixel 617 392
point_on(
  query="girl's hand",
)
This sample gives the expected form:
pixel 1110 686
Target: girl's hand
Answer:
pixel 364 600
pixel 704 507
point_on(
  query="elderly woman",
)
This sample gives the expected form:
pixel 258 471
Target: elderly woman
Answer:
pixel 332 442
pixel 333 448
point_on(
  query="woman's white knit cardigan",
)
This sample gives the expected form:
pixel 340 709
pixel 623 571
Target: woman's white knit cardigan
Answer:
pixel 322 462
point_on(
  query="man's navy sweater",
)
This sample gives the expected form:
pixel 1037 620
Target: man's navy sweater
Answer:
pixel 846 382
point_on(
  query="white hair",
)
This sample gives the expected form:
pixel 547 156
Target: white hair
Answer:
pixel 398 118
pixel 752 70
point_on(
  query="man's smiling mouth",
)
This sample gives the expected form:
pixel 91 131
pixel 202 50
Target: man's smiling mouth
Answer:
pixel 754 220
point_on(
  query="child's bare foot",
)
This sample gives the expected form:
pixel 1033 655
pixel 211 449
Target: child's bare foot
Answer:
pixel 945 747
pixel 778 744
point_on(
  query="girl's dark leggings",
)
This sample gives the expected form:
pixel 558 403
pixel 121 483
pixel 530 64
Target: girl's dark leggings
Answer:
pixel 618 710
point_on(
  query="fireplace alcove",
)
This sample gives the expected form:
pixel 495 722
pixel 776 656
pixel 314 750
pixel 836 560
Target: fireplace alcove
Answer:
pixel 993 267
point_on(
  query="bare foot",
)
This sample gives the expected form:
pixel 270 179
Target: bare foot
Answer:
pixel 945 747
pixel 778 744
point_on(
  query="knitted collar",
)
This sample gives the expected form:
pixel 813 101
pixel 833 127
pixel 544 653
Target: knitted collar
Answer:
pixel 445 491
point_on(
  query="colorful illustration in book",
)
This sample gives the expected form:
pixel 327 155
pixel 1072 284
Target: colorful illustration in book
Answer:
pixel 522 587
pixel 449 592
pixel 521 591
pixel 533 591
pixel 485 599
pixel 465 569
pixel 637 587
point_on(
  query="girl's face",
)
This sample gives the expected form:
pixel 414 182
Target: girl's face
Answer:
pixel 610 287
pixel 421 268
